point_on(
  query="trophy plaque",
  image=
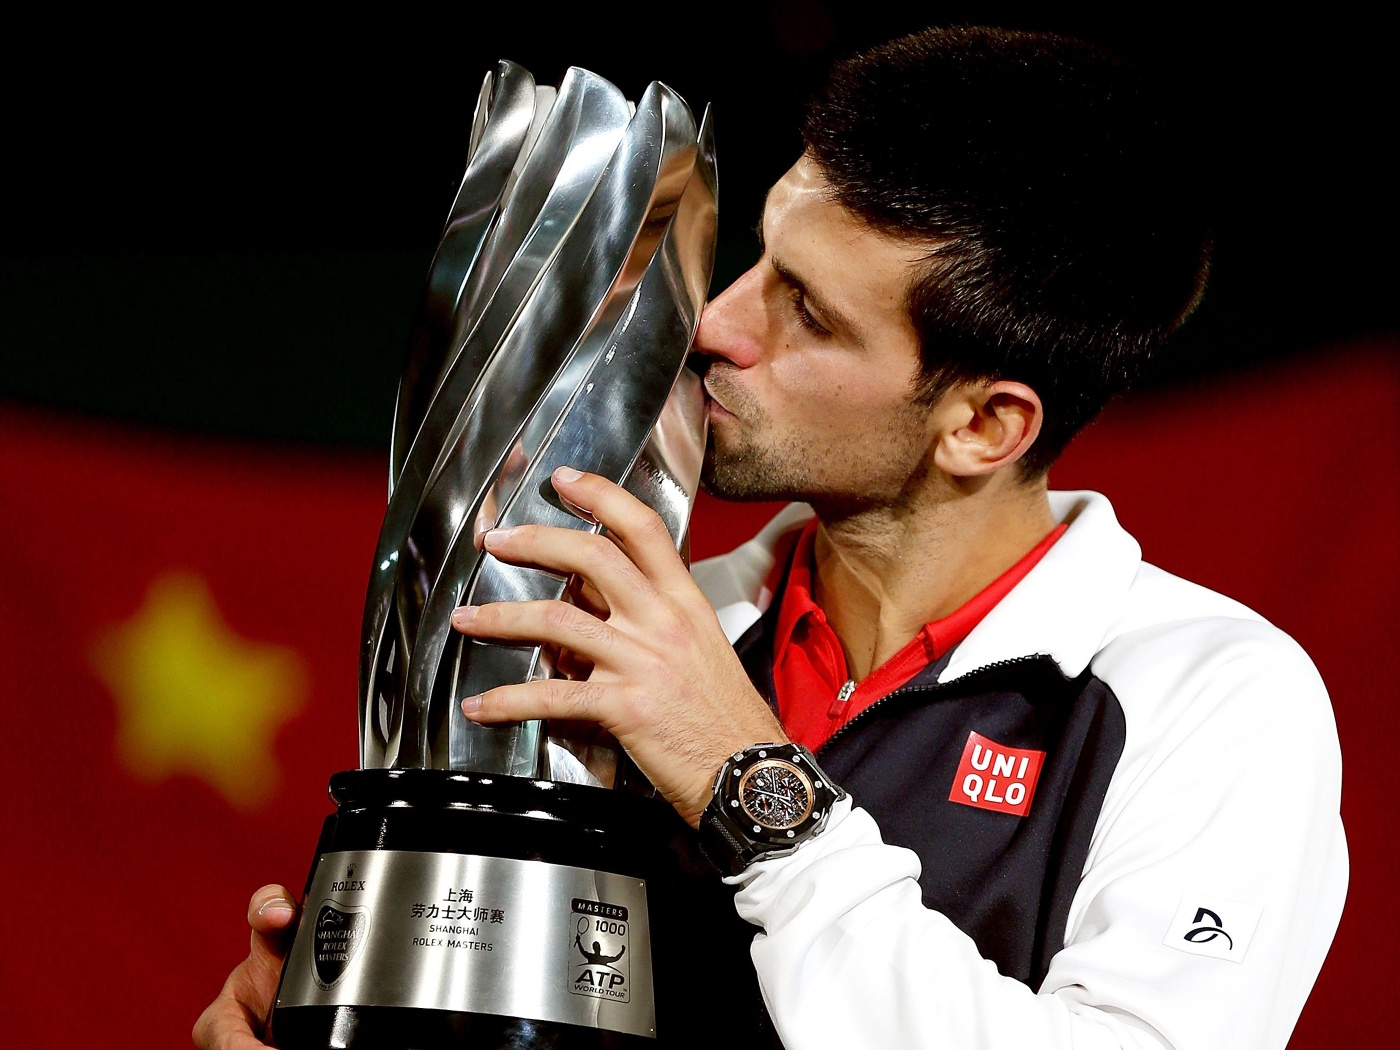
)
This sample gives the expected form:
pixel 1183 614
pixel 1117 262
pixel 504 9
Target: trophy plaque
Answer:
pixel 490 886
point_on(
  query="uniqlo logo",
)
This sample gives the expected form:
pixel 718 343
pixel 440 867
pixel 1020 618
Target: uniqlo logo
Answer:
pixel 996 777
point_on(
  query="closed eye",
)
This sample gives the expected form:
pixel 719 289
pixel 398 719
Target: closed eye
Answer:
pixel 798 298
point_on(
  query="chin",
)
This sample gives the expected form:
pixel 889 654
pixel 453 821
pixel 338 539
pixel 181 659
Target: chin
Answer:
pixel 733 478
pixel 745 476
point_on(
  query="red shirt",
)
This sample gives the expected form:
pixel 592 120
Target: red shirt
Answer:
pixel 809 665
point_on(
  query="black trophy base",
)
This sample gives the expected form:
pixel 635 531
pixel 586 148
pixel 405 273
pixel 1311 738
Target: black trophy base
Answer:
pixel 386 819
pixel 396 1028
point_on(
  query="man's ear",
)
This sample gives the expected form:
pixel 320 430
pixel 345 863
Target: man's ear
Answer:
pixel 983 427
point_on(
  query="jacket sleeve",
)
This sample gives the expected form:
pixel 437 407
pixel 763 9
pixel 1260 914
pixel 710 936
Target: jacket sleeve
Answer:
pixel 1225 803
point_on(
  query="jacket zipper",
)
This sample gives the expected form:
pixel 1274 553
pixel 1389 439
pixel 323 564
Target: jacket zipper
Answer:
pixel 843 696
pixel 906 690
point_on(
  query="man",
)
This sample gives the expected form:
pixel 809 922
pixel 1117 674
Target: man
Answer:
pixel 1085 803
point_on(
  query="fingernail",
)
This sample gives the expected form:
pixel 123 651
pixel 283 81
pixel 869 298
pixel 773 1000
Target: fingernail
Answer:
pixel 471 704
pixel 463 615
pixel 497 536
pixel 277 904
pixel 567 474
pixel 483 525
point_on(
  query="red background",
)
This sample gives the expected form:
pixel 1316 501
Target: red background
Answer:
pixel 125 899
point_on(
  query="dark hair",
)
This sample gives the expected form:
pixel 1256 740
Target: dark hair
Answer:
pixel 1067 232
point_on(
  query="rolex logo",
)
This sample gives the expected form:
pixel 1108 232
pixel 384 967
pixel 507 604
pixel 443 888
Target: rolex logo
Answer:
pixel 349 884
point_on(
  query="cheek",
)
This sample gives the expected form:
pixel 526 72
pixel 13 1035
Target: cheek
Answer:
pixel 810 375
pixel 830 394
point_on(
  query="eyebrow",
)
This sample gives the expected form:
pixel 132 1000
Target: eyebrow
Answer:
pixel 814 299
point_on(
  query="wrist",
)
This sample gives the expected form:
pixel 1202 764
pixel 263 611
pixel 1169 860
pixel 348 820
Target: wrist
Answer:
pixel 768 799
pixel 691 804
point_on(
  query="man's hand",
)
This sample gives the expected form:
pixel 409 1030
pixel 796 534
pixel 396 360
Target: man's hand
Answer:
pixel 236 1019
pixel 665 681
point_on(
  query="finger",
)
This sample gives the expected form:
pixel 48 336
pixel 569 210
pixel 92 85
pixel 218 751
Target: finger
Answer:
pixel 236 1018
pixel 597 559
pixel 272 915
pixel 546 622
pixel 639 528
pixel 272 908
pixel 555 698
pixel 483 523
pixel 272 912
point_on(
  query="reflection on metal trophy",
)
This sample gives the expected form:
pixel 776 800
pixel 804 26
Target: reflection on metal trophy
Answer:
pixel 482 886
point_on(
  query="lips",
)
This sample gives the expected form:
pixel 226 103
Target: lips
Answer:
pixel 715 402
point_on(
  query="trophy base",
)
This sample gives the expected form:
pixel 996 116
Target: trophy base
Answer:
pixel 398 1028
pixel 451 910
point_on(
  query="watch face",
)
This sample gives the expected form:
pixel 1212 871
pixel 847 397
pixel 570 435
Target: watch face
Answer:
pixel 776 794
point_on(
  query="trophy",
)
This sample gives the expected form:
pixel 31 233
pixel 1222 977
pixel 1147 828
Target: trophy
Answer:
pixel 490 886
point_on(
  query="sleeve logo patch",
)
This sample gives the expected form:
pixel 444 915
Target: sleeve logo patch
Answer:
pixel 996 777
pixel 1213 926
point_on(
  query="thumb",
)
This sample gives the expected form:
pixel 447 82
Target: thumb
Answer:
pixel 272 916
pixel 236 1019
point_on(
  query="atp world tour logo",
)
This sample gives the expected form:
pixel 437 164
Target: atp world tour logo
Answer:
pixel 599 965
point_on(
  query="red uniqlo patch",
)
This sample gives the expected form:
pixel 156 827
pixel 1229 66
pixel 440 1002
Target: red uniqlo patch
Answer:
pixel 994 776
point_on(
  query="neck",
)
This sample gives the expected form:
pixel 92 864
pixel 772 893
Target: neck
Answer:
pixel 882 573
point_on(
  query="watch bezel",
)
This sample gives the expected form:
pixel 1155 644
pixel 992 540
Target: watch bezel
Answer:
pixel 820 794
pixel 746 776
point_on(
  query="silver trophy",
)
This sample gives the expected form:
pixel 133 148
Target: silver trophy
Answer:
pixel 482 886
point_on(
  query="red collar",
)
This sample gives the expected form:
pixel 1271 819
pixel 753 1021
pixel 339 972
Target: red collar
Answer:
pixel 809 665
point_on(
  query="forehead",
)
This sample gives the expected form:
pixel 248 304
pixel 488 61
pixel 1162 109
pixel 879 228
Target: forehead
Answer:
pixel 862 270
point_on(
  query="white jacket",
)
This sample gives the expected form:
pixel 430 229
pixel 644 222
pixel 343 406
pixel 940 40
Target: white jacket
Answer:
pixel 1217 868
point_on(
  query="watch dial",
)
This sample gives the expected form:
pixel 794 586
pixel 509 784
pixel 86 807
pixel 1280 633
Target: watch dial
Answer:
pixel 776 794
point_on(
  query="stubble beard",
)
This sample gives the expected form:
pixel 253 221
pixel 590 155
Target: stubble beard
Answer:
pixel 746 473
pixel 744 469
pixel 741 469
pixel 752 463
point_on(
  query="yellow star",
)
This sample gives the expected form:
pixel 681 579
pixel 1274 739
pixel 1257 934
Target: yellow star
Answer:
pixel 195 698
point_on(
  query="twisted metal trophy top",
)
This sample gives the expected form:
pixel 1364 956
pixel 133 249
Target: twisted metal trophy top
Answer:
pixel 558 312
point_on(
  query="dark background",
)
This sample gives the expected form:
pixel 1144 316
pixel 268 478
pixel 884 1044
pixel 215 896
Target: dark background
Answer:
pixel 225 224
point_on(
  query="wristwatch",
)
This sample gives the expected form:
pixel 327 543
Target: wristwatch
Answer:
pixel 769 799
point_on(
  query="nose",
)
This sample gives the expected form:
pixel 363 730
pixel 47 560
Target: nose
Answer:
pixel 732 324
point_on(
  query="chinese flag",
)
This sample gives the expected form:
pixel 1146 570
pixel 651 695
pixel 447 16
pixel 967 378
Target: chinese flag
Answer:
pixel 179 624
pixel 178 628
